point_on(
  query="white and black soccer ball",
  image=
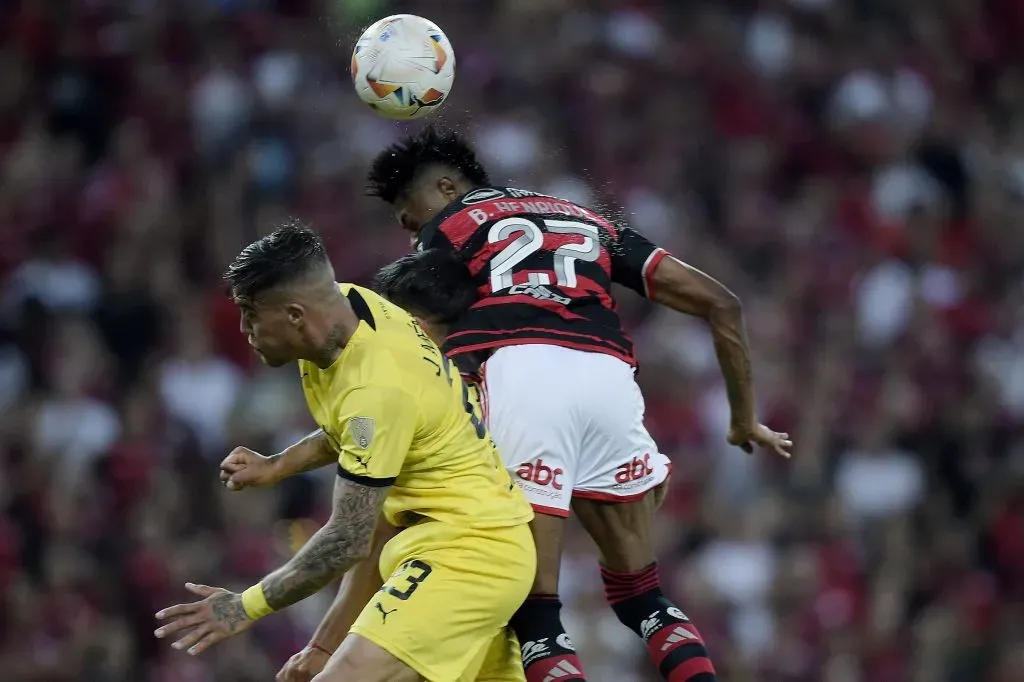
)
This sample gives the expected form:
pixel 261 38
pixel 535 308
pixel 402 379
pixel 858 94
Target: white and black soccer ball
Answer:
pixel 403 66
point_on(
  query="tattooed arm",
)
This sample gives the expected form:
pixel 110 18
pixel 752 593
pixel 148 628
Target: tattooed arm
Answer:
pixel 375 426
pixel 690 291
pixel 355 592
pixel 345 539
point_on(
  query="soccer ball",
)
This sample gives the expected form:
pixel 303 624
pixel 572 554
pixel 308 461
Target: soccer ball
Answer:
pixel 403 66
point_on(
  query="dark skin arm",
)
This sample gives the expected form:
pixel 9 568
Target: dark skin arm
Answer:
pixel 345 540
pixel 690 291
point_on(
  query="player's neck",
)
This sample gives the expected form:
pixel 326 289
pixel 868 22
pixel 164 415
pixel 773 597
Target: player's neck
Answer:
pixel 339 324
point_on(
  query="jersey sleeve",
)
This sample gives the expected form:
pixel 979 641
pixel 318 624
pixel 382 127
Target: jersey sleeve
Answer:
pixel 634 258
pixel 376 427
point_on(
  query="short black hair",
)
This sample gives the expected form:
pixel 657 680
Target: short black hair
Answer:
pixel 287 253
pixel 433 283
pixel 396 167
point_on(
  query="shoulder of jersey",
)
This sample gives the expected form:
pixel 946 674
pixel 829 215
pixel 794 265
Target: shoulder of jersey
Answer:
pixel 386 315
pixel 479 196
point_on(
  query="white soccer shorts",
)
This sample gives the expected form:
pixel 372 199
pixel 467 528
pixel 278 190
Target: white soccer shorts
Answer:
pixel 570 423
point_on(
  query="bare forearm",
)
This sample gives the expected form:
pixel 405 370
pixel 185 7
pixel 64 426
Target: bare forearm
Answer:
pixel 729 334
pixel 358 587
pixel 688 290
pixel 322 560
pixel 310 453
pixel 344 541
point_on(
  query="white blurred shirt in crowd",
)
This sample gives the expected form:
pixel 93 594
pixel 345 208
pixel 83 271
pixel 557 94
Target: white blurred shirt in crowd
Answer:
pixel 220 107
pixel 201 393
pixel 884 297
pixel 873 485
pixel 60 284
pixel 741 572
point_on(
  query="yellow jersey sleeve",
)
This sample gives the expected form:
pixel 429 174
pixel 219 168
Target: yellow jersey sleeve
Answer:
pixel 377 425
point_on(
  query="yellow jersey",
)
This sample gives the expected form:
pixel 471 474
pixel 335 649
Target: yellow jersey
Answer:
pixel 398 414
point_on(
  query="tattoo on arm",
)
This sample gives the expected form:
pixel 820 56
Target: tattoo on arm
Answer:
pixel 227 608
pixel 346 539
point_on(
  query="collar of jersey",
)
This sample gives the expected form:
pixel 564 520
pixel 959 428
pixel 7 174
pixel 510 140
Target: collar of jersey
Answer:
pixel 429 228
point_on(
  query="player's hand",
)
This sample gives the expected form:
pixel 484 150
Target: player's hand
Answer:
pixel 244 468
pixel 303 666
pixel 217 616
pixel 760 435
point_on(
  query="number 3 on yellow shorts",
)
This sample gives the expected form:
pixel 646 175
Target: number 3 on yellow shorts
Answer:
pixel 448 598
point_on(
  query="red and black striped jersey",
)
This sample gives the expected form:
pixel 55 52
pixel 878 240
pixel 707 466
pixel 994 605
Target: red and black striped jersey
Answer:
pixel 544 269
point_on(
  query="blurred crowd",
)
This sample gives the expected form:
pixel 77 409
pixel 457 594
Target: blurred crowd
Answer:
pixel 853 169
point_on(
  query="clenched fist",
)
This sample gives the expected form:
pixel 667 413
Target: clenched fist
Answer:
pixel 244 468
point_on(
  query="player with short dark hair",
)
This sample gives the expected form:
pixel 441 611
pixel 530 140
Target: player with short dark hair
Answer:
pixel 558 378
pixel 409 446
pixel 428 277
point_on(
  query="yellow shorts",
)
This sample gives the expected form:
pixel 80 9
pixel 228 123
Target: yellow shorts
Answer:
pixel 444 609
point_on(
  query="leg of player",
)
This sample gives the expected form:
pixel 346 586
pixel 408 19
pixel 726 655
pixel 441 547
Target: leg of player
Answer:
pixel 623 534
pixel 547 651
pixel 527 415
pixel 360 660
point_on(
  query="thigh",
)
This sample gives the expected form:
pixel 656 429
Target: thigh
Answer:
pixel 499 661
pixel 449 594
pixel 622 531
pixel 360 660
pixel 531 392
pixel 620 461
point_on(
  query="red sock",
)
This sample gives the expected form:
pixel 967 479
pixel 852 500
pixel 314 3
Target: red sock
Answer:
pixel 673 643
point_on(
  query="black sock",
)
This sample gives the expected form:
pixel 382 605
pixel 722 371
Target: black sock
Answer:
pixel 548 653
pixel 673 643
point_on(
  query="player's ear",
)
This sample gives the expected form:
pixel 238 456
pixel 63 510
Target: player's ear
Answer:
pixel 295 313
pixel 447 187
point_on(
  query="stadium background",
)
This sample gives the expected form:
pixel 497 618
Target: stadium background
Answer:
pixel 854 169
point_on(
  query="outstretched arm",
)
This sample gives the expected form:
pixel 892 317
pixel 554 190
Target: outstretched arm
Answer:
pixel 345 540
pixel 375 429
pixel 357 588
pixel 688 290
